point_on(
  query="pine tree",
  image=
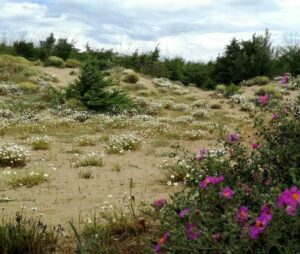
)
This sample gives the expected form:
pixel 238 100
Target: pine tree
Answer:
pixel 91 89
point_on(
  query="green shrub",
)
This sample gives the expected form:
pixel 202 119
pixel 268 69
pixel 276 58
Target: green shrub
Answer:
pixel 55 61
pixel 29 87
pixel 72 63
pixel 131 78
pixel 40 143
pixel 259 80
pixel 220 88
pixel 85 174
pixel 231 90
pixel 270 89
pixel 73 103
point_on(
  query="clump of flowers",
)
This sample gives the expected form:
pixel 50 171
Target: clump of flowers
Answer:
pixel 261 222
pixel 165 238
pixel 213 180
pixel 233 138
pixel 227 193
pixel 255 146
pixel 118 144
pixel 184 212
pixel 242 214
pixel 192 232
pixel 289 200
pixel 13 155
pixel 263 100
pixel 201 154
pixel 284 79
pixel 159 203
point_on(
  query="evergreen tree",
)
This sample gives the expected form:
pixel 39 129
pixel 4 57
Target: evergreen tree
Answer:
pixel 92 90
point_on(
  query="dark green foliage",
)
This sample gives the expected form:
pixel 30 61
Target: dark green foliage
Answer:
pixel 25 49
pixel 244 60
pixel 63 48
pixel 288 60
pixel 47 47
pixel 231 90
pixel 92 90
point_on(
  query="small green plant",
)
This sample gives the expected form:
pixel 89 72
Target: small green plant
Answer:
pixel 40 143
pixel 90 159
pixel 117 167
pixel 56 62
pixel 221 88
pixel 85 174
pixel 131 77
pixel 215 106
pixel 29 87
pixel 86 141
pixel 72 63
pixel 30 179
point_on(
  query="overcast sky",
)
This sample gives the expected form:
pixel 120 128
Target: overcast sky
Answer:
pixel 193 29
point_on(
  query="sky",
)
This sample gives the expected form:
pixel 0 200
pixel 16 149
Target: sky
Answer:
pixel 197 30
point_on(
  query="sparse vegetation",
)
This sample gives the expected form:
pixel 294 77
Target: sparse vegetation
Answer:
pixel 90 159
pixel 85 174
pixel 29 179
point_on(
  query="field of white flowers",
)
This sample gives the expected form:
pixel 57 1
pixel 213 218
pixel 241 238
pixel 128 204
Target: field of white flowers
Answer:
pixel 69 163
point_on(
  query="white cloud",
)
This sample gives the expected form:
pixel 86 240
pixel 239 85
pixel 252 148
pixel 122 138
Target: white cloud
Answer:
pixel 194 29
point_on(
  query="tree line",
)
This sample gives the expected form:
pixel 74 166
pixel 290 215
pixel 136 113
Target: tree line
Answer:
pixel 241 60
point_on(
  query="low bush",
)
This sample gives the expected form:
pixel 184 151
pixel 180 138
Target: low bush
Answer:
pixel 221 88
pixel 86 141
pixel 55 61
pixel 131 78
pixel 29 87
pixel 40 143
pixel 85 174
pixel 90 159
pixel 231 90
pixel 72 63
pixel 259 80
